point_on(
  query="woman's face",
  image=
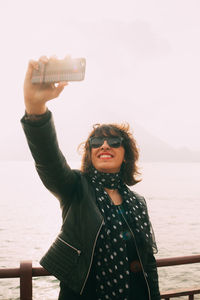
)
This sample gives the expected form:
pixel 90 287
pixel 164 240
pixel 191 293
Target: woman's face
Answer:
pixel 107 159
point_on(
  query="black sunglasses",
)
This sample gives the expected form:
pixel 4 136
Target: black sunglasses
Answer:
pixel 113 141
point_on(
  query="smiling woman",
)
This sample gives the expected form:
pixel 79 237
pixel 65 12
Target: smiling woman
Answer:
pixel 111 148
pixel 107 159
pixel 106 232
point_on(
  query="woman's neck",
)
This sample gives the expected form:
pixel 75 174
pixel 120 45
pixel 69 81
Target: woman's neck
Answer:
pixel 114 196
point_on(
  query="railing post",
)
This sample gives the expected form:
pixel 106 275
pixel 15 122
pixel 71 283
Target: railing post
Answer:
pixel 26 280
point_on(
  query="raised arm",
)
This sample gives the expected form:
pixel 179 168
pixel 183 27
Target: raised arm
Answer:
pixel 41 135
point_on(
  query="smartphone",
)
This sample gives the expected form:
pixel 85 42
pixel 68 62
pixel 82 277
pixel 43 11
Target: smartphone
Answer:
pixel 60 70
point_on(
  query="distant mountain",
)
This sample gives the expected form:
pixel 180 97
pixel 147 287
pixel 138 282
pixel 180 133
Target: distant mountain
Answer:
pixel 153 149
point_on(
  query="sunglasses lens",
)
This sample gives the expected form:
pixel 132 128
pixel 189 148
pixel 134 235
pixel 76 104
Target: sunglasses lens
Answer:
pixel 96 142
pixel 114 142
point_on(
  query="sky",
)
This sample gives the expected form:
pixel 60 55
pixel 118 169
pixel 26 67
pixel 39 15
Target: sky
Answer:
pixel 143 62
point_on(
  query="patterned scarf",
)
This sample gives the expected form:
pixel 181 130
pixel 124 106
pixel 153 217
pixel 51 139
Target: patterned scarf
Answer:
pixel 112 268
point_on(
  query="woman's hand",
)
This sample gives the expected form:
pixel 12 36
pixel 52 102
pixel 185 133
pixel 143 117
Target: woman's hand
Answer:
pixel 36 95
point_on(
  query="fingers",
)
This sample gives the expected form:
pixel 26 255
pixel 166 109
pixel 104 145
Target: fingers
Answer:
pixel 43 59
pixel 31 65
pixel 53 58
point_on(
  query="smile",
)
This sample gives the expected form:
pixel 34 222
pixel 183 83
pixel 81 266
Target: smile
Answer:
pixel 106 156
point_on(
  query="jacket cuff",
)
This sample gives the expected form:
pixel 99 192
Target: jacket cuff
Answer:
pixel 36 120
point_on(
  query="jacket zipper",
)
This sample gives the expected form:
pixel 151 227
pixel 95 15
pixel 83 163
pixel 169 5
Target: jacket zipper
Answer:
pixel 77 250
pixel 91 257
pixel 144 274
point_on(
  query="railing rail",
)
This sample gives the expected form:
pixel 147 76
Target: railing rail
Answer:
pixel 25 272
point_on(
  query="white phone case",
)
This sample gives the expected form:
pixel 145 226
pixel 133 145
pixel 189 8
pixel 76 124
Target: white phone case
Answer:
pixel 60 70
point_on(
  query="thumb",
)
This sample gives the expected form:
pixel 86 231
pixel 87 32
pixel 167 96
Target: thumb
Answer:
pixel 32 65
pixel 59 88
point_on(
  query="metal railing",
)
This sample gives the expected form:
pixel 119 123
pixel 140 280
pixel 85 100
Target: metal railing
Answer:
pixel 26 272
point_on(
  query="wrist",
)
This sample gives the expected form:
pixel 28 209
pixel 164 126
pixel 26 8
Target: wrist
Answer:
pixel 36 110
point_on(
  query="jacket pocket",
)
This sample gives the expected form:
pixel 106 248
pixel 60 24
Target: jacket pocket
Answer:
pixel 61 259
pixel 78 251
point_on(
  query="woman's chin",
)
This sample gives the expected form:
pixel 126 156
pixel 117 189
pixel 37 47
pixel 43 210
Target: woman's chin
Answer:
pixel 106 168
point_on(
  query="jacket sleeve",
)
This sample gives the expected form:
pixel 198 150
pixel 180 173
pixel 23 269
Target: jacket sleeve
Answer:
pixel 50 163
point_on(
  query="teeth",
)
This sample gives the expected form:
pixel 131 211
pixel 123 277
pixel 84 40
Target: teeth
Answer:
pixel 105 156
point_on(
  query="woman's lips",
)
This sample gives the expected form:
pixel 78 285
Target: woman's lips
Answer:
pixel 105 156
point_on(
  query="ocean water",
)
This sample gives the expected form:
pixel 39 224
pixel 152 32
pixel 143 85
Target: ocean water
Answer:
pixel 30 219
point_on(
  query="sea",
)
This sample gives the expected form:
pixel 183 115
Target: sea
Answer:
pixel 30 219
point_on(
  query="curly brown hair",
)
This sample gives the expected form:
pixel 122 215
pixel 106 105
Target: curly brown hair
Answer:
pixel 129 168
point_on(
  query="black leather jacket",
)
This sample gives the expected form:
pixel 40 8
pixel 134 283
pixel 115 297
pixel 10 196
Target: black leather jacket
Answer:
pixel 70 256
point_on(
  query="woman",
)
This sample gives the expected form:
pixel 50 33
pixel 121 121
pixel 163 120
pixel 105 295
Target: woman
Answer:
pixel 105 249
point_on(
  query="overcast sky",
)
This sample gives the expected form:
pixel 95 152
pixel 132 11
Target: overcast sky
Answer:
pixel 143 64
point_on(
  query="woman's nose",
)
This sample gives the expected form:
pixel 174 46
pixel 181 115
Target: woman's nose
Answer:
pixel 105 145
